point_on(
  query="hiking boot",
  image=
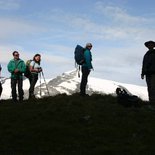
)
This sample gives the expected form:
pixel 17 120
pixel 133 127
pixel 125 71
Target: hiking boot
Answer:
pixel 32 97
pixel 84 95
pixel 21 100
pixel 15 101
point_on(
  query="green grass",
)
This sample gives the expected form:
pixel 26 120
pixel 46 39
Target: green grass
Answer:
pixel 73 125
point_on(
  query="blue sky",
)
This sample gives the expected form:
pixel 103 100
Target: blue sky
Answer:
pixel 117 29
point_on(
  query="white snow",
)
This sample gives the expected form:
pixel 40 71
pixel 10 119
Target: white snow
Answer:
pixel 106 86
pixel 72 82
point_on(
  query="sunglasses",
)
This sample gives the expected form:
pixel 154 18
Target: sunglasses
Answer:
pixel 16 54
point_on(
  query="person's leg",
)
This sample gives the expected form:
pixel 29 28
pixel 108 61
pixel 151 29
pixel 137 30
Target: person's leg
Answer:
pixel 33 82
pixel 13 87
pixel 20 89
pixel 150 80
pixel 1 88
pixel 84 80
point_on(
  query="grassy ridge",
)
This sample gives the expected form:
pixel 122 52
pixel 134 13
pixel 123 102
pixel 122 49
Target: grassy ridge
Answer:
pixel 73 125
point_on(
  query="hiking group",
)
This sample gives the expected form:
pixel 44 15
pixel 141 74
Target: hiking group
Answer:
pixel 17 68
pixel 83 57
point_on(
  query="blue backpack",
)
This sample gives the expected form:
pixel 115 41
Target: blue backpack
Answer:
pixel 79 55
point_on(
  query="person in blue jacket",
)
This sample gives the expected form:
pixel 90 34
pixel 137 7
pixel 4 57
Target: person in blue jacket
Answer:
pixel 86 68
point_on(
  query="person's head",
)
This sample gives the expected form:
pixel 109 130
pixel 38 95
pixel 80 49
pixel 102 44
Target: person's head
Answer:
pixel 150 44
pixel 37 58
pixel 15 55
pixel 89 46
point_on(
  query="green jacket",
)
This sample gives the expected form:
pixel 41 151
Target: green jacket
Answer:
pixel 16 64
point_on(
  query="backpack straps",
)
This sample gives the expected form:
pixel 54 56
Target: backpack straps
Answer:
pixel 33 64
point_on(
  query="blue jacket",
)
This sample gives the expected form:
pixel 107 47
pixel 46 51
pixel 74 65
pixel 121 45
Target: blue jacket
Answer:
pixel 88 59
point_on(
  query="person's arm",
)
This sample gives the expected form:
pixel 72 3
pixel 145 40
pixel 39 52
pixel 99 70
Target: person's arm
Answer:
pixel 144 63
pixel 22 67
pixel 11 67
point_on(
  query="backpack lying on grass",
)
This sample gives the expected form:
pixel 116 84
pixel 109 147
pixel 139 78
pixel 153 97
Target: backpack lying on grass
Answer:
pixel 27 73
pixel 126 99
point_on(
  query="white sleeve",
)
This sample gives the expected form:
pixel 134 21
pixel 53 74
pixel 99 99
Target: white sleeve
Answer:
pixel 32 63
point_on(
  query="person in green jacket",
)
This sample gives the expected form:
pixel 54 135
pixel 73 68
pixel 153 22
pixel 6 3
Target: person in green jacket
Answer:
pixel 16 67
pixel 86 68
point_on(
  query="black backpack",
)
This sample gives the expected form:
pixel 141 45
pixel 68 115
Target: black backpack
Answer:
pixel 79 55
pixel 126 99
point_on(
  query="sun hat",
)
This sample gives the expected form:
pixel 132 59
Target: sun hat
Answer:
pixel 149 42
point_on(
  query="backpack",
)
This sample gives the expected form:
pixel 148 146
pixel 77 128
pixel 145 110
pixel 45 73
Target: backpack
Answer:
pixel 126 99
pixel 27 73
pixel 79 55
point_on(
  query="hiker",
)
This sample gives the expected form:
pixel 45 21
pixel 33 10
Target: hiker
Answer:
pixel 86 68
pixel 16 67
pixel 0 82
pixel 35 69
pixel 148 70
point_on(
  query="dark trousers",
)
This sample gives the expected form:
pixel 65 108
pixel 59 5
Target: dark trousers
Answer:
pixel 33 80
pixel 1 89
pixel 150 80
pixel 84 80
pixel 18 82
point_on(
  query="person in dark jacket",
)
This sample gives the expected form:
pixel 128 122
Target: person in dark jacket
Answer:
pixel 86 68
pixel 1 88
pixel 16 67
pixel 148 70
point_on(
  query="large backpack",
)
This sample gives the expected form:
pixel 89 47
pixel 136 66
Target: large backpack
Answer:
pixel 79 55
pixel 27 72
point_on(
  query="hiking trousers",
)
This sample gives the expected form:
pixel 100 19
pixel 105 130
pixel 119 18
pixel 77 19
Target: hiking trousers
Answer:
pixel 1 89
pixel 84 80
pixel 14 83
pixel 33 80
pixel 150 80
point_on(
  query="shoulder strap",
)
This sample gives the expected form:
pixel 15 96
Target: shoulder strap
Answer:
pixel 33 64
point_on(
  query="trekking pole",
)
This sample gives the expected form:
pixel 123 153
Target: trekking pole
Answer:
pixel 40 83
pixel 45 83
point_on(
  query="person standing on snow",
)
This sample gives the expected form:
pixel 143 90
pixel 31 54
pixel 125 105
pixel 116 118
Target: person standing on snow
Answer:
pixel 86 68
pixel 35 69
pixel 148 70
pixel 16 67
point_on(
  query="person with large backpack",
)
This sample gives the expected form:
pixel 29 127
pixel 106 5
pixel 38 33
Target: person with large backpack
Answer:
pixel 86 68
pixel 35 69
pixel 16 67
